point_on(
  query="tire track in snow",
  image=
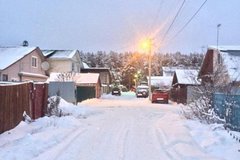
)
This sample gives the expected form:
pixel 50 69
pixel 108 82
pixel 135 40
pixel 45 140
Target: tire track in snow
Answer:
pixel 181 146
pixel 55 152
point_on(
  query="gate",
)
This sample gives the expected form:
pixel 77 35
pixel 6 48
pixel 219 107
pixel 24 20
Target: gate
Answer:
pixel 85 92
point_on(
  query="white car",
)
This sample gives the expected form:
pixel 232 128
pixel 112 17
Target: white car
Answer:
pixel 142 91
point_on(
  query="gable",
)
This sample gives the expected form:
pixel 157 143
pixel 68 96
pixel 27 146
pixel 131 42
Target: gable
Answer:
pixel 186 76
pixel 10 55
pixel 60 54
pixel 175 80
pixel 207 65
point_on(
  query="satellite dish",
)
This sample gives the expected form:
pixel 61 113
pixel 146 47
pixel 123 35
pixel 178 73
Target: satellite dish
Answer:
pixel 45 65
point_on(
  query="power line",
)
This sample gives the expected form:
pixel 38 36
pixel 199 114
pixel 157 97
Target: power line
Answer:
pixel 175 17
pixel 157 15
pixel 189 20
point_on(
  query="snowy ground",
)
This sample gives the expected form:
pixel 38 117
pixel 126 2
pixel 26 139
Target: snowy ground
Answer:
pixel 118 128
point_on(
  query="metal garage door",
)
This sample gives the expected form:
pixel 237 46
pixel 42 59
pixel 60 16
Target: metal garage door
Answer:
pixel 84 93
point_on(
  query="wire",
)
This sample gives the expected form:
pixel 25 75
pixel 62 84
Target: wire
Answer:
pixel 189 20
pixel 157 15
pixel 175 17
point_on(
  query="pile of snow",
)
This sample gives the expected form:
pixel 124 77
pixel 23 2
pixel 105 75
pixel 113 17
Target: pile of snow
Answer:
pixel 79 111
pixel 28 140
pixel 215 139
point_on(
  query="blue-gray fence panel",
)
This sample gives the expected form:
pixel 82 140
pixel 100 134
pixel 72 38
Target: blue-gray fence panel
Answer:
pixel 67 90
pixel 228 107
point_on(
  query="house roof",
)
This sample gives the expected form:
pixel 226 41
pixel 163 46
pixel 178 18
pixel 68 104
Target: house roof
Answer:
pixel 86 78
pixel 59 54
pixel 225 48
pixel 79 78
pixel 10 55
pixel 95 70
pixel 161 81
pixel 186 76
pixel 231 58
pixel 85 65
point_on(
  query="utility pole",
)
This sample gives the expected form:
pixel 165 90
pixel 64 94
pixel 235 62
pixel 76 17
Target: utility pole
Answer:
pixel 218 27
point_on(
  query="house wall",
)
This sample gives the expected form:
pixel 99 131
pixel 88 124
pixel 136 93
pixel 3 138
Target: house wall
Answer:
pixel 59 66
pixel 98 90
pixel 179 94
pixel 207 66
pixel 25 65
pixel 65 65
pixel 104 77
pixel 77 62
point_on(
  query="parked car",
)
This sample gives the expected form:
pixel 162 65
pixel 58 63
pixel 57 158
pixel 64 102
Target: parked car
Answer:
pixel 116 91
pixel 160 95
pixel 142 91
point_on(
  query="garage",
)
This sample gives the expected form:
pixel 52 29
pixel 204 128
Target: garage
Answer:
pixel 88 86
pixel 85 92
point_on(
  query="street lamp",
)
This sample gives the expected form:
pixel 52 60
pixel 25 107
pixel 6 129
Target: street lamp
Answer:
pixel 147 46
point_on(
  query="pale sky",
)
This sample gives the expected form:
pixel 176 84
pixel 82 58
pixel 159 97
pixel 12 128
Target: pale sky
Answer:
pixel 118 25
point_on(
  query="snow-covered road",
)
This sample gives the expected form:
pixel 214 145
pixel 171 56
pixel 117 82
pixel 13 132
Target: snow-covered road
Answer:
pixel 123 128
pixel 130 129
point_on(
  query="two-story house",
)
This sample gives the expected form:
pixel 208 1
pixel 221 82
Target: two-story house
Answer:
pixel 21 64
pixel 63 61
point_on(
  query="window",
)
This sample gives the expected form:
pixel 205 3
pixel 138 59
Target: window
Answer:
pixel 34 61
pixel 5 77
pixel 73 67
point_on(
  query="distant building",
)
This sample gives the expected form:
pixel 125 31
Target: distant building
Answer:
pixel 105 77
pixel 183 81
pixel 169 71
pixel 164 82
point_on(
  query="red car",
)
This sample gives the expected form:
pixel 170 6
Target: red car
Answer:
pixel 160 95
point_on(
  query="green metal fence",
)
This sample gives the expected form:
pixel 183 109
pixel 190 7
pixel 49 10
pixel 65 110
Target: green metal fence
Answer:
pixel 228 107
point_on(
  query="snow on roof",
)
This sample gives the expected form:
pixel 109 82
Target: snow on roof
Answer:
pixel 170 69
pixel 142 86
pixel 187 76
pixel 225 48
pixel 160 81
pixel 79 78
pixel 59 54
pixel 55 76
pixel 87 78
pixel 231 61
pixel 231 58
pixel 47 52
pixel 10 55
pixel 85 65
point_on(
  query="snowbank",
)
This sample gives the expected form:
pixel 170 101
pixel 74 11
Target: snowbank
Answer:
pixel 27 141
pixel 215 139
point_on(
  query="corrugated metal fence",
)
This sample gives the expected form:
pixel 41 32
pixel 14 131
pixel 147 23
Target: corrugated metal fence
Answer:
pixel 228 107
pixel 17 98
pixel 66 90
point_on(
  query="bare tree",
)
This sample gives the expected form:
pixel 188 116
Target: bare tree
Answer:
pixel 202 106
pixel 66 76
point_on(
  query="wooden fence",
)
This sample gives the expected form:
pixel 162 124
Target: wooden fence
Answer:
pixel 17 98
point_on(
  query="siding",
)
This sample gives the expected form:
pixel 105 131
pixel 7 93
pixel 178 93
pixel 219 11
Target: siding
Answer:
pixel 24 65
